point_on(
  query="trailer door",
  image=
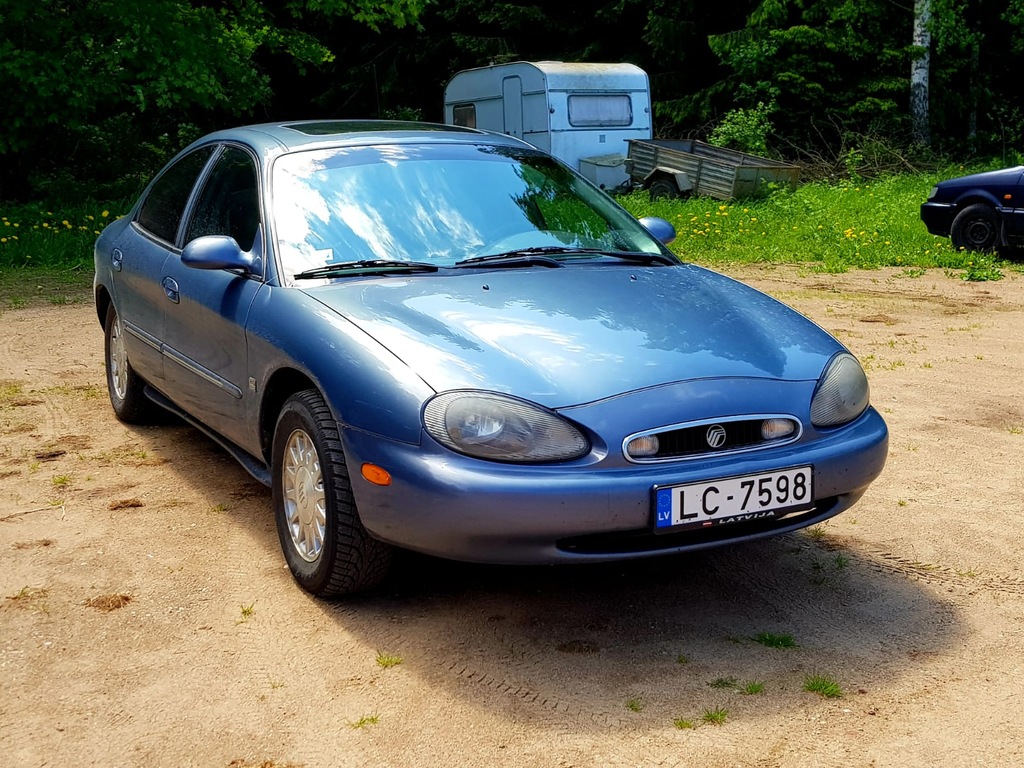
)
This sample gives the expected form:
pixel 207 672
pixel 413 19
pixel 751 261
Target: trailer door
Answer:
pixel 512 98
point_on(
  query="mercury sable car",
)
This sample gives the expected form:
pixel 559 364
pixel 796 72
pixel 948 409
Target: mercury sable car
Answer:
pixel 443 339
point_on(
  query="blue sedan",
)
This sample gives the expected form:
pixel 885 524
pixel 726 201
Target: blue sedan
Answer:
pixel 444 340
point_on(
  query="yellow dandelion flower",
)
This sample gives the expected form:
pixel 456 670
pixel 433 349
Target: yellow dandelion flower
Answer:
pixel 3 239
pixel 16 225
pixel 90 217
pixel 46 225
pixel 105 214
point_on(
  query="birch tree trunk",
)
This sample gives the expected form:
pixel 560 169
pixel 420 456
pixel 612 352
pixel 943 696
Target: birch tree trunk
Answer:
pixel 919 73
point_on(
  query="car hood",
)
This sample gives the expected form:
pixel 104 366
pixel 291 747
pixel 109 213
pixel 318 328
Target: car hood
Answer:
pixel 1002 176
pixel 577 334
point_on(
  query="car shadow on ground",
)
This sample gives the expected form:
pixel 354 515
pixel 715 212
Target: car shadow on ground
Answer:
pixel 624 643
pixel 598 644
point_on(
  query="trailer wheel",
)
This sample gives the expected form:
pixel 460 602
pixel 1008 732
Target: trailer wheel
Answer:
pixel 663 189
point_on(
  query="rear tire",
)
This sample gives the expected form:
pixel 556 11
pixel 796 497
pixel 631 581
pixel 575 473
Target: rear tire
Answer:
pixel 125 386
pixel 326 547
pixel 976 228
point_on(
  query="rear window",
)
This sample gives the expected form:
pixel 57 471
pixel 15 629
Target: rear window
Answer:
pixel 606 110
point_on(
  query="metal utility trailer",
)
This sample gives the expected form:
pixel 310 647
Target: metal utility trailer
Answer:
pixel 670 168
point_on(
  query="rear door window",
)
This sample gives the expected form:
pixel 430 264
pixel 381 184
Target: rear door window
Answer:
pixel 161 213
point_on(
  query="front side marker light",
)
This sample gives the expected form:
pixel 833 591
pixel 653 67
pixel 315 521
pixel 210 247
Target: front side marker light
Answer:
pixel 376 475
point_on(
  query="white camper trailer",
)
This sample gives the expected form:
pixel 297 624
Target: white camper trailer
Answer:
pixel 583 114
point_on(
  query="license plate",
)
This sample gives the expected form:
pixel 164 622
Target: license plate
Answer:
pixel 733 499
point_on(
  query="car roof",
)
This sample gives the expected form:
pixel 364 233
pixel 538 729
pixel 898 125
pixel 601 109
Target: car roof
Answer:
pixel 283 137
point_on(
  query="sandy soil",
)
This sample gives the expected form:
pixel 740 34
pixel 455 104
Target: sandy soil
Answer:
pixel 147 617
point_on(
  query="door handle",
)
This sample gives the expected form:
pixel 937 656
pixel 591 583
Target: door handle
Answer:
pixel 171 289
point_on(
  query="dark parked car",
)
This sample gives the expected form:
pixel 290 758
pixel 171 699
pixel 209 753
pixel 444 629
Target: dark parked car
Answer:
pixel 980 212
pixel 443 339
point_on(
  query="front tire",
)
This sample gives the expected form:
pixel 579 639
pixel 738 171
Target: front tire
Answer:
pixel 975 228
pixel 326 547
pixel 125 386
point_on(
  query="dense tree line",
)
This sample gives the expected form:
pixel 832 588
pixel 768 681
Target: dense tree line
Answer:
pixel 99 92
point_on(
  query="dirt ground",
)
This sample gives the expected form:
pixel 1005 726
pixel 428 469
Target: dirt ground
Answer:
pixel 147 617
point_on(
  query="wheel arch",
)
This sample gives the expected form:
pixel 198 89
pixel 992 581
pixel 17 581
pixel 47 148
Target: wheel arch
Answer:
pixel 284 383
pixel 103 302
pixel 976 196
pixel 679 179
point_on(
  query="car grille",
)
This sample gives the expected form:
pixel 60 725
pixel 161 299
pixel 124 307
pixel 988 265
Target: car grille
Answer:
pixel 693 440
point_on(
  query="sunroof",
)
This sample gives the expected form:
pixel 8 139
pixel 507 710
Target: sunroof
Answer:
pixel 330 127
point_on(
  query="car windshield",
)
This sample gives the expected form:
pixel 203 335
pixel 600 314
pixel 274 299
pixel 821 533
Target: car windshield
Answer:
pixel 439 204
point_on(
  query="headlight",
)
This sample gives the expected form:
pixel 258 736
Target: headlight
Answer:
pixel 501 428
pixel 935 191
pixel 842 393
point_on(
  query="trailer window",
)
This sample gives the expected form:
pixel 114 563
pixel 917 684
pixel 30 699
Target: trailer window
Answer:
pixel 464 115
pixel 604 110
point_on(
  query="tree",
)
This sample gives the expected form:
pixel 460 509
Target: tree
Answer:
pixel 78 74
pixel 919 66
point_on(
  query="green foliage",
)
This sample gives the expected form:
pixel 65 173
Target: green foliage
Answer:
pixel 772 640
pixel 34 236
pixel 745 129
pixel 823 685
pixel 76 77
pixel 850 55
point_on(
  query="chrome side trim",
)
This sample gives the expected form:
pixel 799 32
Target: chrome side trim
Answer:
pixel 141 335
pixel 203 373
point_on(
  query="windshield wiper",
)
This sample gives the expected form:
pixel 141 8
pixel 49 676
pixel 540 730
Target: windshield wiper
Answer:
pixel 365 267
pixel 535 256
pixel 541 255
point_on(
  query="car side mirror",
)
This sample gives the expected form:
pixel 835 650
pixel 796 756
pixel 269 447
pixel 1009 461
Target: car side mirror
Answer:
pixel 662 230
pixel 217 252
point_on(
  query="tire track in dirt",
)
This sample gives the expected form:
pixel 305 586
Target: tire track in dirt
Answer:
pixel 885 561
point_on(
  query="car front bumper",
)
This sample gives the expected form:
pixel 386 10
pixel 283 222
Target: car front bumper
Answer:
pixel 444 504
pixel 938 217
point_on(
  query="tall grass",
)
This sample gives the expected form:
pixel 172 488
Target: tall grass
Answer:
pixel 831 227
pixel 39 236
